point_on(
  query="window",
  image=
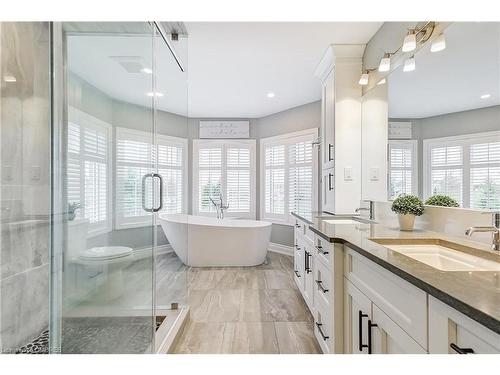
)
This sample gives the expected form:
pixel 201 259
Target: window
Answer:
pixel 402 168
pixel 465 167
pixel 89 169
pixel 134 158
pixel 227 168
pixel 288 176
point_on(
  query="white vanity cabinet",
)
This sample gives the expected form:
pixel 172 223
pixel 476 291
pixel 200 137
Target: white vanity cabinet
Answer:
pixel 454 333
pixel 328 118
pixel 328 190
pixel 303 261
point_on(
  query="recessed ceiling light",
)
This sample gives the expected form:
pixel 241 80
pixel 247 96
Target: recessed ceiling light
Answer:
pixel 485 96
pixel 157 94
pixel 147 70
pixel 271 95
pixel 9 79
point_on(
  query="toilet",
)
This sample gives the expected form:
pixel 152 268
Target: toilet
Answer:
pixel 114 258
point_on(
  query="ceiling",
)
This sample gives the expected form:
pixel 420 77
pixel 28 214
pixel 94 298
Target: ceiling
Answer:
pixel 231 66
pixel 451 80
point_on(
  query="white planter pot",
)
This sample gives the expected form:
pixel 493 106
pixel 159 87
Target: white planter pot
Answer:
pixel 406 222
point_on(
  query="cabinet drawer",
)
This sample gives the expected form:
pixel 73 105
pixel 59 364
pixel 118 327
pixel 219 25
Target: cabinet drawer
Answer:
pixel 298 266
pixel 404 303
pixel 451 332
pixel 300 228
pixel 324 250
pixel 323 326
pixel 323 286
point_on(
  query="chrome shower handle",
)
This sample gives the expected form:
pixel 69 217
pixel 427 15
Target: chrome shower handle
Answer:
pixel 144 178
pixel 160 178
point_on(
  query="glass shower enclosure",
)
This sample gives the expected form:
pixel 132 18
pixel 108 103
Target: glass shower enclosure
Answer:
pixel 119 155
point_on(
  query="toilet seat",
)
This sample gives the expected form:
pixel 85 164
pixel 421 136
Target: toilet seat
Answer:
pixel 103 253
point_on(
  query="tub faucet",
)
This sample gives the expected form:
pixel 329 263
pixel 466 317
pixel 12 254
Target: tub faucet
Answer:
pixel 220 207
pixel 495 229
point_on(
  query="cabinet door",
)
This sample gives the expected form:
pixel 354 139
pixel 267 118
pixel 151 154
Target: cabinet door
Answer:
pixel 328 190
pixel 328 121
pixel 299 265
pixel 386 337
pixel 356 315
pixel 308 292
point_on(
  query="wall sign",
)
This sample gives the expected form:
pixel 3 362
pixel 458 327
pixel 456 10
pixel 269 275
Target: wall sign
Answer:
pixel 224 129
pixel 399 130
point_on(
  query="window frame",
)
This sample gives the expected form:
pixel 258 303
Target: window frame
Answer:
pixel 84 119
pixel 414 162
pixel 145 220
pixel 287 140
pixel 465 141
pixel 251 144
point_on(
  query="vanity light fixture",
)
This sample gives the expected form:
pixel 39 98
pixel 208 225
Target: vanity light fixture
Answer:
pixel 147 70
pixel 385 63
pixel 485 96
pixel 438 44
pixel 363 80
pixel 381 82
pixel 157 94
pixel 410 42
pixel 270 95
pixel 409 64
pixel 9 79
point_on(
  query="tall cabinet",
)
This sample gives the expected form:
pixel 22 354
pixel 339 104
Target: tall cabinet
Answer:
pixel 339 71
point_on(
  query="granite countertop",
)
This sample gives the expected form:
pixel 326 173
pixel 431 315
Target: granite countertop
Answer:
pixel 475 294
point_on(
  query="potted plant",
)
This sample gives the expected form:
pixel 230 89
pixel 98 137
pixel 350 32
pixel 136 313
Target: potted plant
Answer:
pixel 441 200
pixel 407 207
pixel 72 207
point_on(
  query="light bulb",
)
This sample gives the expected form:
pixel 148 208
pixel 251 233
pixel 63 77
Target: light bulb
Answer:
pixel 385 63
pixel 410 42
pixel 363 80
pixel 409 64
pixel 438 44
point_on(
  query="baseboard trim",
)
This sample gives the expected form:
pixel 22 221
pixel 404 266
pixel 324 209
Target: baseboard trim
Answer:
pixel 144 252
pixel 280 249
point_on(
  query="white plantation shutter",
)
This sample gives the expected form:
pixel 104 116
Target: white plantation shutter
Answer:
pixel 485 175
pixel 289 172
pixel 135 157
pixel 465 167
pixel 227 168
pixel 300 178
pixel 447 171
pixel 88 169
pixel 402 168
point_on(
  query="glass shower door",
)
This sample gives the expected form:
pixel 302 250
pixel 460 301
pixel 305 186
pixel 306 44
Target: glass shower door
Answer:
pixel 104 188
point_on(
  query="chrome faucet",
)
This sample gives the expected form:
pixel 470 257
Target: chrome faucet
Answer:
pixel 220 207
pixel 369 209
pixel 495 229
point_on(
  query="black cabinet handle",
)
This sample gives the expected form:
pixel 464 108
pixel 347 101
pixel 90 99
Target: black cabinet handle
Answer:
pixel 297 225
pixel 307 267
pixel 321 251
pixel 321 287
pixel 360 330
pixel 319 325
pixel 330 181
pixel 460 350
pixel 297 273
pixel 370 326
pixel 297 247
pixel 330 147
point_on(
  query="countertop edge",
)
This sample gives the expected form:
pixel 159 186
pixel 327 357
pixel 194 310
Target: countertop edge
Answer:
pixel 471 312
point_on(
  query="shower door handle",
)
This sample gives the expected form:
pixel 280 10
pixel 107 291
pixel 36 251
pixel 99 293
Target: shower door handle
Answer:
pixel 144 178
pixel 160 204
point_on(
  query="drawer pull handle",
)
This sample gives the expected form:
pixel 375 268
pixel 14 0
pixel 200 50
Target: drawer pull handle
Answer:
pixel 330 188
pixel 297 225
pixel 297 247
pixel 319 325
pixel 297 273
pixel 460 350
pixel 370 326
pixel 330 147
pixel 321 287
pixel 360 330
pixel 321 251
pixel 307 266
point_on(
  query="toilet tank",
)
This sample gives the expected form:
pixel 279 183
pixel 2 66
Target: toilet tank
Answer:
pixel 77 237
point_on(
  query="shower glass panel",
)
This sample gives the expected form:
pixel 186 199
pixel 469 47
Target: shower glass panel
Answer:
pixel 104 201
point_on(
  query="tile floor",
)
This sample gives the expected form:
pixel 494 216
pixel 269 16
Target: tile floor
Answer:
pixel 245 310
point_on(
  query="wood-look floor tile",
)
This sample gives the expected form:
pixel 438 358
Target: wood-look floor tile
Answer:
pixel 296 338
pixel 250 338
pixel 214 305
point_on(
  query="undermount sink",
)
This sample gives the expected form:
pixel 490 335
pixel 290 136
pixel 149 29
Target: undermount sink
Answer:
pixel 346 220
pixel 436 254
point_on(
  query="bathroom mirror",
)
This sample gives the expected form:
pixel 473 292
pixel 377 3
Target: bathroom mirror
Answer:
pixel 443 130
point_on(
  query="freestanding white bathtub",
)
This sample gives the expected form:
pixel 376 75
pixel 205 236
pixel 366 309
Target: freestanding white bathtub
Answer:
pixel 206 242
